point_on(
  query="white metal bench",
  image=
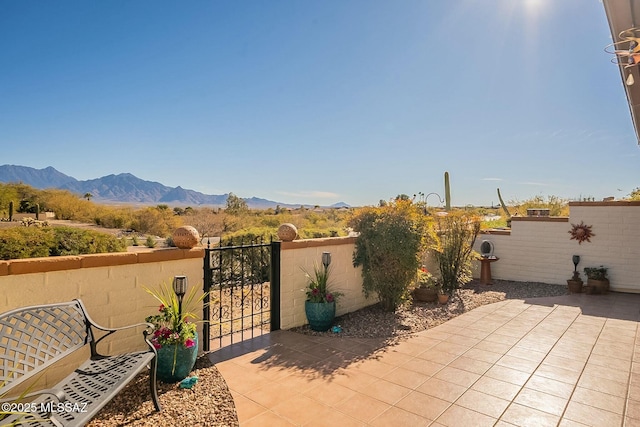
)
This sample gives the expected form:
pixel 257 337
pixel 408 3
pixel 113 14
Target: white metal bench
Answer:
pixel 33 338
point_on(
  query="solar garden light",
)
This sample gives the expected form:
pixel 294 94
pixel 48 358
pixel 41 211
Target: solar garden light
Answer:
pixel 576 261
pixel 326 259
pixel 180 288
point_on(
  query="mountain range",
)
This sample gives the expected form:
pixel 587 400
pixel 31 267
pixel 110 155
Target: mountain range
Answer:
pixel 126 188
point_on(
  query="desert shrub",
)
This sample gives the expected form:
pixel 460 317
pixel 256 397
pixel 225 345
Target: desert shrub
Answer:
pixel 452 239
pixel 25 242
pixel 387 248
pixel 33 242
pixel 159 222
pixel 109 217
pixel 556 205
pixel 73 241
pixel 250 235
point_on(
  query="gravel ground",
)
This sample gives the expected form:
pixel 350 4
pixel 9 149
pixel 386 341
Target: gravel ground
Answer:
pixel 210 403
pixel 373 322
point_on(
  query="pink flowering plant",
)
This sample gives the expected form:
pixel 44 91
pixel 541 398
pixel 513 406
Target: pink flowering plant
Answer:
pixel 317 289
pixel 170 327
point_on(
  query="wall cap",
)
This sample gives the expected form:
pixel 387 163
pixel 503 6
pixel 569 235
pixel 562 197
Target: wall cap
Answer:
pixel 58 263
pixel 617 203
pixel 313 243
pixel 541 218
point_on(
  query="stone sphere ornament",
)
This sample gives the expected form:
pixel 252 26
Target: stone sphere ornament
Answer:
pixel 185 237
pixel 287 232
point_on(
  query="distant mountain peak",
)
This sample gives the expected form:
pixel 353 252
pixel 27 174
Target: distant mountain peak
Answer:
pixel 125 188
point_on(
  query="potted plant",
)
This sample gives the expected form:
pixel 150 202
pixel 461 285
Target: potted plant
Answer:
pixel 443 296
pixel 597 280
pixel 174 336
pixel 320 306
pixel 426 289
pixel 575 283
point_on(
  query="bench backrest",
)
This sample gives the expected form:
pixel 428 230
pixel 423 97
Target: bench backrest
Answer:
pixel 33 338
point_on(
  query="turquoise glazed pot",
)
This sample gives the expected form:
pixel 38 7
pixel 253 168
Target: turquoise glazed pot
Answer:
pixel 185 359
pixel 320 315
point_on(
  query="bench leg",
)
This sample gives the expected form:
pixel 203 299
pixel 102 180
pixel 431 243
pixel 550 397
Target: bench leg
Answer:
pixel 153 383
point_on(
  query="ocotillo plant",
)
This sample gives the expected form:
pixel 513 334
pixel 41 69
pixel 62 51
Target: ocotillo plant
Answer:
pixel 447 192
pixel 504 207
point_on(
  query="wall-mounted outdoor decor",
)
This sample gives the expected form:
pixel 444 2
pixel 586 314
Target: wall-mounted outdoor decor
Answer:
pixel 581 232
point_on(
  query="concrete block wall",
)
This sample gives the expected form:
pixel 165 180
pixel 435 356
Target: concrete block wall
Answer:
pixel 110 286
pixel 300 255
pixel 540 249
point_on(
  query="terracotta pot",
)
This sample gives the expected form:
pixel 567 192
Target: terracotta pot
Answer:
pixel 575 286
pixel 598 286
pixel 425 294
pixel 443 298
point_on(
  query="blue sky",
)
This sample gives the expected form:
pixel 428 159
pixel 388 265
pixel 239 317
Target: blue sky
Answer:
pixel 317 102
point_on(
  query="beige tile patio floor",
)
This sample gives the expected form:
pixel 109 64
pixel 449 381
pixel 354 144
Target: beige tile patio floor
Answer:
pixel 572 360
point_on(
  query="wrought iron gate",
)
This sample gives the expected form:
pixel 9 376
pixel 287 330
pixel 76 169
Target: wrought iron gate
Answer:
pixel 243 282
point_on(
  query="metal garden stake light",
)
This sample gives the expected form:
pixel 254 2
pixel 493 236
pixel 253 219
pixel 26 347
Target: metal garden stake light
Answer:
pixel 576 261
pixel 180 288
pixel 326 260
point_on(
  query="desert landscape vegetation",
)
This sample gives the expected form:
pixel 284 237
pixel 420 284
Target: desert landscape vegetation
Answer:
pixel 76 224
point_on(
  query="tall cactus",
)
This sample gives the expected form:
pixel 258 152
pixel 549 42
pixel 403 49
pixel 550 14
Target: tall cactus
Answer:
pixel 37 211
pixel 447 192
pixel 11 210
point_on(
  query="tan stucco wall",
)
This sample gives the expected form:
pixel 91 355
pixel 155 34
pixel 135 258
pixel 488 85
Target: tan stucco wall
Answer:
pixel 110 286
pixel 540 249
pixel 301 254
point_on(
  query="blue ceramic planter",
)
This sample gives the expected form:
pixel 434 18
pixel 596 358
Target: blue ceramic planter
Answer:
pixel 185 358
pixel 320 315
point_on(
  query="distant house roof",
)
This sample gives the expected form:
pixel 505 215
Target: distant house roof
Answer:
pixel 622 15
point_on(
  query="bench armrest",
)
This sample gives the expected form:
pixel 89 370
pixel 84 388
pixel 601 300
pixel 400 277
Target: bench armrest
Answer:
pixel 102 328
pixel 93 324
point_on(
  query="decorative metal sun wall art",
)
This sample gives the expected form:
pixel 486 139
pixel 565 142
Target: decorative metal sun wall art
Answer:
pixel 581 232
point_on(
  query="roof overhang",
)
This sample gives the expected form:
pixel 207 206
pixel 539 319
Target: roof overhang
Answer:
pixel 622 15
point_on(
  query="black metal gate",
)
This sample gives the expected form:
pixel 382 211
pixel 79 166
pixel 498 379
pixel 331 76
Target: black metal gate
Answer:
pixel 243 282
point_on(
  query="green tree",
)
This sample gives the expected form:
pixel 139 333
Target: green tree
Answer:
pixel 388 246
pixel 635 194
pixel 236 205
pixel 88 196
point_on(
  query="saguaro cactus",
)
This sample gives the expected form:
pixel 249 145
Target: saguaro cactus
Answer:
pixel 447 192
pixel 37 211
pixel 11 210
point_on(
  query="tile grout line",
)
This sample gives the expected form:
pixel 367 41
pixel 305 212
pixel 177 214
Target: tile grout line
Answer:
pixel 556 306
pixel 492 364
pixel 583 368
